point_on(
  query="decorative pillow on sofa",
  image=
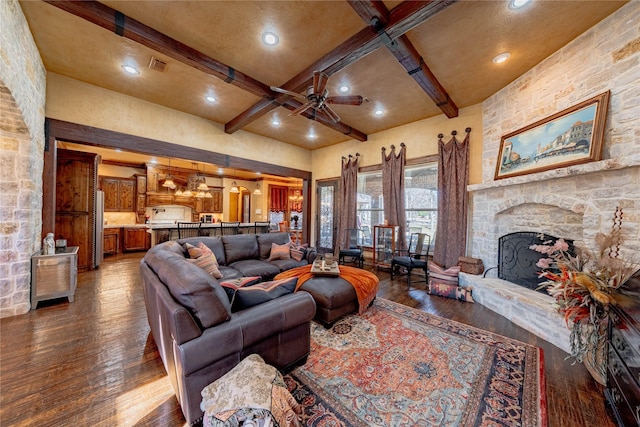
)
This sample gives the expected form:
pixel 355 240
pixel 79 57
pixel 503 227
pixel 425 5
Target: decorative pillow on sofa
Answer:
pixel 298 252
pixel 203 258
pixel 449 290
pixel 232 285
pixel 280 251
pixel 248 296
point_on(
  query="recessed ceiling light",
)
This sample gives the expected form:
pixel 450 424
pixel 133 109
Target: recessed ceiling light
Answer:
pixel 130 69
pixel 270 39
pixel 220 171
pixel 275 122
pixel 344 89
pixel 517 4
pixel 379 112
pixel 210 98
pixel 499 59
pixel 311 135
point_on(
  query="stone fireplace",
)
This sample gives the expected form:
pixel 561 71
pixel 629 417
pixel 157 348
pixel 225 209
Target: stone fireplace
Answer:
pixel 575 203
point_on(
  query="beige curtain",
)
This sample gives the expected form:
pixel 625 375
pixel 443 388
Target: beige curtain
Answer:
pixel 453 176
pixel 348 196
pixel 393 191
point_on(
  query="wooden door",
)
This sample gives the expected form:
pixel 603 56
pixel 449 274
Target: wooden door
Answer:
pixel 76 179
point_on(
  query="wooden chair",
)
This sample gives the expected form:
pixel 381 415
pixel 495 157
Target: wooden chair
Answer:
pixel 230 228
pixel 416 257
pixel 188 229
pixel 351 250
pixel 261 227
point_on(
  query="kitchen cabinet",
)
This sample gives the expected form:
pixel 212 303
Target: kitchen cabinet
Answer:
pixel 76 179
pixel 111 243
pixel 141 198
pixel 119 194
pixel 136 239
pixel 384 244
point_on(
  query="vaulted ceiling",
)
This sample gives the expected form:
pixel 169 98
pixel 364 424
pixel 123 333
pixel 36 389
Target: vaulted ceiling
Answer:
pixel 410 60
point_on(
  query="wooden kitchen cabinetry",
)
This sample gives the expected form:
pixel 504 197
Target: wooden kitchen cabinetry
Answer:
pixel 136 239
pixel 212 204
pixel 141 198
pixel 76 179
pixel 119 194
pixel 111 243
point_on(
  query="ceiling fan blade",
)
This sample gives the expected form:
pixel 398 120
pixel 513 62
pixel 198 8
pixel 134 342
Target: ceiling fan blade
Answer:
pixel 346 100
pixel 330 113
pixel 301 109
pixel 287 92
pixel 320 80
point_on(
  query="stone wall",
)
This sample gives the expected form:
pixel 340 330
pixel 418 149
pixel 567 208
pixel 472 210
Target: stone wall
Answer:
pixel 575 202
pixel 22 100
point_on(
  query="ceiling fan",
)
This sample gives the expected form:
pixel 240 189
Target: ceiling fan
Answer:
pixel 317 98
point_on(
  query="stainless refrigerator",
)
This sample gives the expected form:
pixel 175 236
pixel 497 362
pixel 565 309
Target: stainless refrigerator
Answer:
pixel 98 252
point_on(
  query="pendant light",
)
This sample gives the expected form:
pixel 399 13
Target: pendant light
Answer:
pixel 257 191
pixel 168 182
pixel 234 185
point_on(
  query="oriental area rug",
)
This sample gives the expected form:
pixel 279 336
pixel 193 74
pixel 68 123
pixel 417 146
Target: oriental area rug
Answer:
pixel 398 366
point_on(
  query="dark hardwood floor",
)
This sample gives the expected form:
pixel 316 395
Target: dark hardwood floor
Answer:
pixel 92 362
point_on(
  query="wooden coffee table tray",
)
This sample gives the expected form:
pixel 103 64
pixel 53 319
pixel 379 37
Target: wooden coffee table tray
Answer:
pixel 320 268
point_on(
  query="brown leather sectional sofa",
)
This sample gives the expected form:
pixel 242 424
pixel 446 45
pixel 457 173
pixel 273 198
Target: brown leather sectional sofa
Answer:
pixel 197 335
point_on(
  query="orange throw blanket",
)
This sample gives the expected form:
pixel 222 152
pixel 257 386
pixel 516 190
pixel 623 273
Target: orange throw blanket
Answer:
pixel 364 282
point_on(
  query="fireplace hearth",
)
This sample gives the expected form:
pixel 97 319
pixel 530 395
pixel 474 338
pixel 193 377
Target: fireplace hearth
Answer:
pixel 517 262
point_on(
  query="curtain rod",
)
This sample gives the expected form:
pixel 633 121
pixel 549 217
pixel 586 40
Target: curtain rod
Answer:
pixel 393 147
pixel 454 132
pixel 350 156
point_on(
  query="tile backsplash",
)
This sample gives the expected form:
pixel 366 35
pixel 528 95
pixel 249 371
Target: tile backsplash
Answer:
pixel 119 218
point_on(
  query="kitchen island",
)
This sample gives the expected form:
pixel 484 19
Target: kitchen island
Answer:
pixel 162 232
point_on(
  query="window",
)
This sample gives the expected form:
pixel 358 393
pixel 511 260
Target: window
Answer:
pixel 421 200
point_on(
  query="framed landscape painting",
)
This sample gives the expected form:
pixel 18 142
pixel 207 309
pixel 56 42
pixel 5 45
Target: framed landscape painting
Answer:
pixel 570 137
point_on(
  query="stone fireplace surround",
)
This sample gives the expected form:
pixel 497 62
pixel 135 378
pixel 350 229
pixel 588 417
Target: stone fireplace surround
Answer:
pixel 575 203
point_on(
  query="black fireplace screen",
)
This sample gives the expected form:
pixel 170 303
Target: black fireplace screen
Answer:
pixel 517 263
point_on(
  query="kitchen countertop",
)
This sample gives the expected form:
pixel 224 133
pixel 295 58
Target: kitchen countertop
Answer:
pixel 127 226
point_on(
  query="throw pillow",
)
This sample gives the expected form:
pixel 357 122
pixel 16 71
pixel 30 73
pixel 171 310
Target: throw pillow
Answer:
pixel 248 296
pixel 280 251
pixel 298 252
pixel 449 290
pixel 193 251
pixel 231 286
pixel 206 259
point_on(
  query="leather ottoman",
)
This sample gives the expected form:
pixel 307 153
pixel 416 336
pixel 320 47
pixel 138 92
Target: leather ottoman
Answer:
pixel 334 297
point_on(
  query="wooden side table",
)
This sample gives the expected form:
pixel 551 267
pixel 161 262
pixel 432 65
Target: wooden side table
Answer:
pixel 54 276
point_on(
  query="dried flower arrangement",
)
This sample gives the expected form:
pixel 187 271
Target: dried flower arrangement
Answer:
pixel 583 287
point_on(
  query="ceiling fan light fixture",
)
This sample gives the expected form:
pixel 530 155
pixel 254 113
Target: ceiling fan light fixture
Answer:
pixel 499 59
pixel 270 39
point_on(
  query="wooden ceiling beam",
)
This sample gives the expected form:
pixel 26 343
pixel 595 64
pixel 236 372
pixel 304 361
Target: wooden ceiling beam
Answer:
pixel 376 14
pixel 112 20
pixel 401 19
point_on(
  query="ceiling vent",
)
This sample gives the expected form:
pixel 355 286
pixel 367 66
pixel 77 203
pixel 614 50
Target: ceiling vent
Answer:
pixel 157 64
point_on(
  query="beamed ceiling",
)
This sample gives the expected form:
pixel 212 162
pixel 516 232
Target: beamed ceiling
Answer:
pixel 412 60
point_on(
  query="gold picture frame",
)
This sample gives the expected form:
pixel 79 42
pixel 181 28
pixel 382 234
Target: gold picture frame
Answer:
pixel 567 138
